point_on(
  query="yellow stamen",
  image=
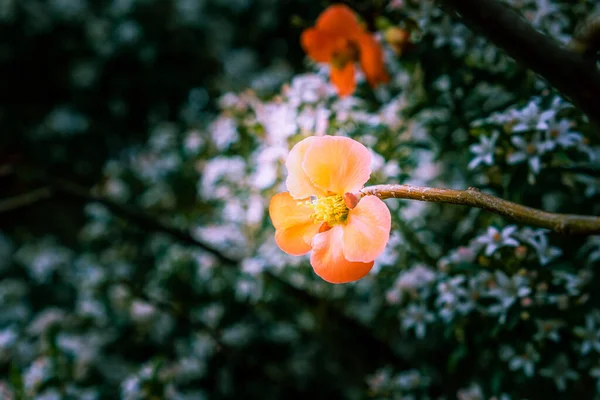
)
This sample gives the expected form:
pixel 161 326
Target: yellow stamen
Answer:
pixel 329 209
pixel 340 58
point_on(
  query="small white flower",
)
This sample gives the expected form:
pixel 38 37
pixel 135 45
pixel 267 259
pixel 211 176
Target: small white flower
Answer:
pixel 591 184
pixel 528 151
pixel 547 329
pixel 453 298
pixel 473 392
pixel 544 9
pixel 592 248
pixel 545 252
pixel 531 118
pixel 573 283
pixel 223 132
pixel 560 372
pixel 279 121
pixel 219 174
pixel 495 239
pixel 589 334
pixel 484 151
pixel 415 278
pixel 416 317
pixel 391 113
pixel 309 89
pixel 538 239
pixel 507 291
pixel 559 133
pixel 193 143
pixel 314 120
pixel 525 361
pixel 267 159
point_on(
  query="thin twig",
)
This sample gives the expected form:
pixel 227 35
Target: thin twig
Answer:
pixel 142 219
pixel 25 199
pixel 561 223
pixel 570 73
pixel 182 317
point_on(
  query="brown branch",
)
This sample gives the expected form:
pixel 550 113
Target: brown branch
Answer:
pixel 142 219
pixel 25 199
pixel 561 223
pixel 574 76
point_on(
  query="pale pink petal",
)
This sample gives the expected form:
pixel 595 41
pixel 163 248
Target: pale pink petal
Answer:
pixel 328 260
pixel 298 183
pixel 367 230
pixel 338 164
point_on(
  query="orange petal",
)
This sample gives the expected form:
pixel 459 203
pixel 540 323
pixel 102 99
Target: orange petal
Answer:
pixel 297 239
pixel 343 79
pixel 339 19
pixel 297 182
pixel 285 212
pixel 367 230
pixel 371 60
pixel 294 227
pixel 337 164
pixel 328 260
pixel 321 45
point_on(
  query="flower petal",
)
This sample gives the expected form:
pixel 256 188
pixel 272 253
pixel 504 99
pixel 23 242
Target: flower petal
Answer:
pixel 338 164
pixel 297 239
pixel 367 230
pixel 322 45
pixel 285 212
pixel 297 182
pixel 371 59
pixel 343 79
pixel 294 227
pixel 339 19
pixel 328 260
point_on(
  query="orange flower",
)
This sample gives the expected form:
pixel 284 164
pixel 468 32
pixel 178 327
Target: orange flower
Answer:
pixel 321 214
pixel 338 39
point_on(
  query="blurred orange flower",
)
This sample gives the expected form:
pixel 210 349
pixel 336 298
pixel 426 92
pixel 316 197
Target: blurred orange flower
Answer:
pixel 321 212
pixel 338 39
pixel 398 39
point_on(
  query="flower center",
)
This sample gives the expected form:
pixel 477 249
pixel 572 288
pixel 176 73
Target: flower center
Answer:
pixel 329 209
pixel 348 54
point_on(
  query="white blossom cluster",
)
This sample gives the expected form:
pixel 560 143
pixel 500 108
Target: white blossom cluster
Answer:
pixel 535 136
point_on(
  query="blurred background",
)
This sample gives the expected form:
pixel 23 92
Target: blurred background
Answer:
pixel 141 142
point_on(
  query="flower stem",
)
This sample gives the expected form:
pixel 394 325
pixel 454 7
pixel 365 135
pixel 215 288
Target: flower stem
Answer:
pixel 561 223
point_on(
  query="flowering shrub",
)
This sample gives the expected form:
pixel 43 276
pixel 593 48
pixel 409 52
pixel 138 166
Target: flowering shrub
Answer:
pixel 156 212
